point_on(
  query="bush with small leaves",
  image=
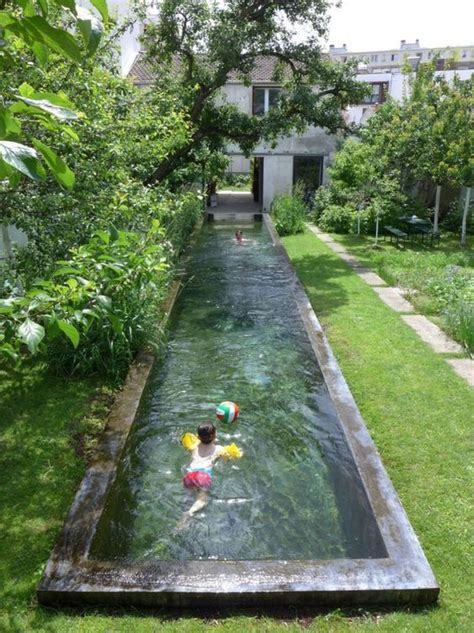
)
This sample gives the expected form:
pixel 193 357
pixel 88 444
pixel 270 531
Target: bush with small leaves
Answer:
pixel 289 214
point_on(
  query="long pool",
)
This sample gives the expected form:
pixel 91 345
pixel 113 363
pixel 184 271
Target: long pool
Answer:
pixel 236 334
pixel 307 516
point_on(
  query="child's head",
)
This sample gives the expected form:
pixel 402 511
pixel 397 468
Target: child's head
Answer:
pixel 207 432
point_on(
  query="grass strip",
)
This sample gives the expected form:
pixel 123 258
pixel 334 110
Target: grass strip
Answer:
pixel 419 413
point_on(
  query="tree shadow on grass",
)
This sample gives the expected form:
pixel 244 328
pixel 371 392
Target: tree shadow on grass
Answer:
pixel 38 472
pixel 321 276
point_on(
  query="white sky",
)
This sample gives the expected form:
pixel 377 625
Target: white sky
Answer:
pixel 380 24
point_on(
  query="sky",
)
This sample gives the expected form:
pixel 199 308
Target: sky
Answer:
pixel 380 24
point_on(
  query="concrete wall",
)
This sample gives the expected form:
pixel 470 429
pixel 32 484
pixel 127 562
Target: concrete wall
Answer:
pixel 10 236
pixel 239 95
pixel 239 164
pixel 277 178
pixel 129 42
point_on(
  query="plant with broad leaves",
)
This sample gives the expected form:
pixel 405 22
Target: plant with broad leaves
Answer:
pixel 30 24
pixel 103 301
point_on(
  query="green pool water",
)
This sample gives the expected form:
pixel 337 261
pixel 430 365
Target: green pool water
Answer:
pixel 236 334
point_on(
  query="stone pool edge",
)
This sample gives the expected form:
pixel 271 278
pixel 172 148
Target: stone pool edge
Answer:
pixel 404 577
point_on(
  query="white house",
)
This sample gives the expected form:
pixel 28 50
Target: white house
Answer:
pixel 276 169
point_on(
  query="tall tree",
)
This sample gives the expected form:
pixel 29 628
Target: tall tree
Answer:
pixel 194 46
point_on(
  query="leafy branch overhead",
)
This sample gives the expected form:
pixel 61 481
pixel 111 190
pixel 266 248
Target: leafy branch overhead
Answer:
pixel 196 47
pixel 31 25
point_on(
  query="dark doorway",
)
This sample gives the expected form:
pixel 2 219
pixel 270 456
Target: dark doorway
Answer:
pixel 308 170
pixel 257 183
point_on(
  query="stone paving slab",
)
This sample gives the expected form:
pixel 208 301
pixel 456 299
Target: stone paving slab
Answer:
pixel 464 367
pixel 431 334
pixel 350 260
pixel 394 299
pixel 315 229
pixel 371 278
pixel 337 248
pixel 324 237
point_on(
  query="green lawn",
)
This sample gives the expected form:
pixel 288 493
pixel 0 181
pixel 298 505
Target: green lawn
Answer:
pixel 418 411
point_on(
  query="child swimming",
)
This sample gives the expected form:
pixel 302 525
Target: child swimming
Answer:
pixel 204 454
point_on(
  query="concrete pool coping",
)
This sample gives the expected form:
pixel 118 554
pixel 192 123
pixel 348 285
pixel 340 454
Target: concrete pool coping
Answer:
pixel 403 577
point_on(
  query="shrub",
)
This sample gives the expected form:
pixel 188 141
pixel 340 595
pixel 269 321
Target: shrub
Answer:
pixel 235 180
pixel 178 216
pixel 460 322
pixel 98 308
pixel 338 219
pixel 321 201
pixel 289 214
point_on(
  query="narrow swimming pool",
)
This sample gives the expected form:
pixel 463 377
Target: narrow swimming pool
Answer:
pixel 236 334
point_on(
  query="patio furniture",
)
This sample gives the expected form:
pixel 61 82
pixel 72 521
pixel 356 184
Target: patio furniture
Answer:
pixel 420 226
pixel 393 232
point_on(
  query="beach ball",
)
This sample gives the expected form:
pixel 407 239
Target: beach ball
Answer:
pixel 227 412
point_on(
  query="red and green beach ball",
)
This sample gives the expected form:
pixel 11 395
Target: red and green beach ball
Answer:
pixel 227 412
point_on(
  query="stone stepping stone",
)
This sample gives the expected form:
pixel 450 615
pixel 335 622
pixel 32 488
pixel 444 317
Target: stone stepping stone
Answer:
pixel 432 334
pixel 394 299
pixel 370 278
pixel 350 260
pixel 324 237
pixel 464 367
pixel 337 248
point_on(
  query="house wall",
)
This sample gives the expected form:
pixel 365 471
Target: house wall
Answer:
pixel 239 164
pixel 277 178
pixel 129 41
pixel 10 236
pixel 239 95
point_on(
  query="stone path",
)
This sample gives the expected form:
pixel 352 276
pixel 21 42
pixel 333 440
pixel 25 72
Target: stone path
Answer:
pixel 430 333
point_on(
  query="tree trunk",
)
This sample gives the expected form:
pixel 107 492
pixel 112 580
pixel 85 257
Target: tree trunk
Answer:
pixel 464 216
pixel 436 211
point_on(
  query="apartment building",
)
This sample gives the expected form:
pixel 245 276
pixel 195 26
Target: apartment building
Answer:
pixel 389 60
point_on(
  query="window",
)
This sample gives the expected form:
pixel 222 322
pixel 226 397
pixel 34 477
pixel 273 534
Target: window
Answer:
pixel 264 99
pixel 308 174
pixel 374 58
pixel 379 92
pixel 393 57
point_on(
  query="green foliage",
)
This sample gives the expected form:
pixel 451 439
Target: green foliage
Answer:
pixel 460 322
pixel 125 134
pixel 427 137
pixel 338 219
pixel 103 301
pixel 237 182
pixel 28 25
pixel 289 214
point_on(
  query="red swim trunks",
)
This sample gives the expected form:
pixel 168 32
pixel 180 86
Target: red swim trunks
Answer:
pixel 197 479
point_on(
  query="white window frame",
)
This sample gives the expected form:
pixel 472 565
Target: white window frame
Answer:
pixel 266 98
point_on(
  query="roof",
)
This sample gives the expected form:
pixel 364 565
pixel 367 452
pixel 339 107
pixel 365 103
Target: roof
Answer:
pixel 141 71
